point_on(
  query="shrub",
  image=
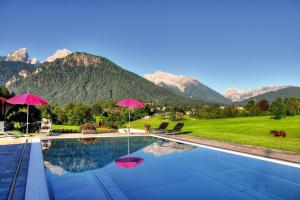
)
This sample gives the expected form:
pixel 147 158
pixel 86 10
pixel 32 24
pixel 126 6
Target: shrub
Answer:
pixel 147 127
pixel 87 126
pixel 278 108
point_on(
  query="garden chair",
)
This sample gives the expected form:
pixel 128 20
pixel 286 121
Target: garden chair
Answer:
pixel 6 134
pixel 176 130
pixel 46 126
pixel 162 128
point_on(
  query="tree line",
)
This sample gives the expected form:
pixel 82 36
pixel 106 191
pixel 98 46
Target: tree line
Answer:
pixel 106 113
pixel 277 109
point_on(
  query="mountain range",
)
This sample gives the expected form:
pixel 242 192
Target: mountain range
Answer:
pixel 186 86
pixel 285 92
pixel 82 77
pixel 236 95
pixel 66 77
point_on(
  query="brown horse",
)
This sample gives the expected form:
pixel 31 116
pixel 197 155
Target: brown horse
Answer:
pixel 278 133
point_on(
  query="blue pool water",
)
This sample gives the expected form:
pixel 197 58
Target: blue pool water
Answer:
pixel 86 169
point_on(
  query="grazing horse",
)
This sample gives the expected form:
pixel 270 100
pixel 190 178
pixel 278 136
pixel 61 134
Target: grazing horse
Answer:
pixel 278 133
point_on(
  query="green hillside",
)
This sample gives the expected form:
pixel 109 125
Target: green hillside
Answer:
pixel 10 68
pixel 81 77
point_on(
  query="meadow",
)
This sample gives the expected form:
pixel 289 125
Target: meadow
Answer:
pixel 243 130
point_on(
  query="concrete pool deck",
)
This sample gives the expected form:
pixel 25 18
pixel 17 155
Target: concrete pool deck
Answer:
pixel 292 157
pixel 10 153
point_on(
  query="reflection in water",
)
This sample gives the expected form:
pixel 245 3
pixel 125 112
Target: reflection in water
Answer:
pixel 162 147
pixel 54 169
pixel 77 155
pixel 129 162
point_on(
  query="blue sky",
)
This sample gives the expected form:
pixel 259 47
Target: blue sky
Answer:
pixel 224 43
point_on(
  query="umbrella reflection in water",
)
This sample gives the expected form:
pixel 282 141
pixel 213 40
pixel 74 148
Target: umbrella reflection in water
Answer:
pixel 128 162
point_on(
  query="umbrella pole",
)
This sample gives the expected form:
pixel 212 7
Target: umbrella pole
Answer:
pixel 27 119
pixel 128 146
pixel 129 122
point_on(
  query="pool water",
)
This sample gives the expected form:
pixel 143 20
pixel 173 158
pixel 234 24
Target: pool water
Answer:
pixel 161 169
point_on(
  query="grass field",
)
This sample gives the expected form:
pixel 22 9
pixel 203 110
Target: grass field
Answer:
pixel 70 127
pixel 244 130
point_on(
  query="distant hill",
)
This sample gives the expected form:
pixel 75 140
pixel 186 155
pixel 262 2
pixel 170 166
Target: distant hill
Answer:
pixel 9 69
pixel 271 96
pixel 81 77
pixel 186 86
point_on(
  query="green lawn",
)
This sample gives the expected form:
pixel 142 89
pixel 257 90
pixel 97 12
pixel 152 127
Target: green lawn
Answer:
pixel 244 130
pixel 69 127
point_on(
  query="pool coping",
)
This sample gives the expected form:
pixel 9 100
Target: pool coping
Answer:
pixel 36 185
pixel 259 157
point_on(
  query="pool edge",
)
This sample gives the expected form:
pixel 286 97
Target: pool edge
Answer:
pixel 36 185
pixel 273 160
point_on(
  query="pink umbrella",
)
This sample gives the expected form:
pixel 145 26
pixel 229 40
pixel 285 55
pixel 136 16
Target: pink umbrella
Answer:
pixel 129 162
pixel 27 99
pixel 130 104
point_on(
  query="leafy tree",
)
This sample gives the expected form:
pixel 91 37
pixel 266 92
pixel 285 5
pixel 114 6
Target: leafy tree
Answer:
pixel 18 113
pixel 230 111
pixel 292 106
pixel 252 108
pixel 78 114
pixel 96 109
pixel 278 108
pixel 209 112
pixel 4 92
pixel 263 105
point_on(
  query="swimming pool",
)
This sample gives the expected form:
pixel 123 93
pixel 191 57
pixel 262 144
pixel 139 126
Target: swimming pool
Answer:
pixel 155 168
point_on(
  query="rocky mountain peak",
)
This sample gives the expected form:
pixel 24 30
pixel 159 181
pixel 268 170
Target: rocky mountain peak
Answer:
pixel 235 94
pixel 20 55
pixel 186 86
pixel 179 81
pixel 60 53
pixel 82 59
pixel 34 61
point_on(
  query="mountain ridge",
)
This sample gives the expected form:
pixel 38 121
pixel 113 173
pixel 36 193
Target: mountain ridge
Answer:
pixel 14 69
pixel 186 86
pixel 82 77
pixel 236 95
pixel 287 92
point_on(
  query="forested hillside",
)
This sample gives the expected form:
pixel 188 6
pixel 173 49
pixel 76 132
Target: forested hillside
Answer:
pixel 10 68
pixel 81 77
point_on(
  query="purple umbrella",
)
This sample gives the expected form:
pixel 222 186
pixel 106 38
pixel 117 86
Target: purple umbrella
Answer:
pixel 130 104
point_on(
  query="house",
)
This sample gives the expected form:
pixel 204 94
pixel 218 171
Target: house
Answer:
pixel 4 107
